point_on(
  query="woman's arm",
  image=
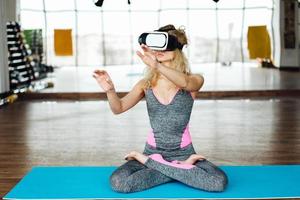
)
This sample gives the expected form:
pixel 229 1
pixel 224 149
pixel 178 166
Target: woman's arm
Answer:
pixel 192 82
pixel 119 105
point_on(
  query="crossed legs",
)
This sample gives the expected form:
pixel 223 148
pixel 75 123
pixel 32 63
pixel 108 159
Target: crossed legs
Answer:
pixel 134 176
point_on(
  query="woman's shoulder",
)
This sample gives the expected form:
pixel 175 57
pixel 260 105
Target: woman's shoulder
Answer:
pixel 142 84
pixel 194 94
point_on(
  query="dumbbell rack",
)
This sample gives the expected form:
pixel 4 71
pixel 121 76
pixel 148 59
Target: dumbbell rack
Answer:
pixel 21 71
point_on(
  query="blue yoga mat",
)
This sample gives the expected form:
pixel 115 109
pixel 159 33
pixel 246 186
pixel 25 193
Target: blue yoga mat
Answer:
pixel 279 181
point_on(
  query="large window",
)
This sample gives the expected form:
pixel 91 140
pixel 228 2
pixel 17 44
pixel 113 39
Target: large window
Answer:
pixel 217 32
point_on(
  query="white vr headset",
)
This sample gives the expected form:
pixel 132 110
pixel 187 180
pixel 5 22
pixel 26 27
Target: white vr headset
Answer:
pixel 160 41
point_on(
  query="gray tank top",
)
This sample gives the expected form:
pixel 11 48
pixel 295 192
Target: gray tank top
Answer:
pixel 169 124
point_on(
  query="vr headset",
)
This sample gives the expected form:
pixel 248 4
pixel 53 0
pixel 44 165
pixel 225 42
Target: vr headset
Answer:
pixel 160 41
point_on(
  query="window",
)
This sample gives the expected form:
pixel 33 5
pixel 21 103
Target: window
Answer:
pixel 108 35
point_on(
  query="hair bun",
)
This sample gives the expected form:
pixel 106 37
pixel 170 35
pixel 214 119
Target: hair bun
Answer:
pixel 167 28
pixel 181 28
pixel 178 33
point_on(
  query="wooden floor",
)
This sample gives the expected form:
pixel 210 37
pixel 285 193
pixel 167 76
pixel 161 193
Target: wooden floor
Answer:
pixel 67 133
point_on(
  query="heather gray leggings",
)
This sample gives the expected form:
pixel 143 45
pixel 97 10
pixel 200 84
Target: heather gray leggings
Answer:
pixel 133 176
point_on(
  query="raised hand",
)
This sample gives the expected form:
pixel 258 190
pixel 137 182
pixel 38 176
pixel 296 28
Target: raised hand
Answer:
pixel 103 80
pixel 148 56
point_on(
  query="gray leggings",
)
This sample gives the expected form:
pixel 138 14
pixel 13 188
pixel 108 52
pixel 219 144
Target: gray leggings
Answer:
pixel 133 176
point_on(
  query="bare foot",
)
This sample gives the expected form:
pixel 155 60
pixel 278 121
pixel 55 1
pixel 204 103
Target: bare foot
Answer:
pixel 134 155
pixel 192 159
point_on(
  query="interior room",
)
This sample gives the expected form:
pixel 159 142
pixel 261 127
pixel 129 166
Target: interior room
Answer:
pixel 80 86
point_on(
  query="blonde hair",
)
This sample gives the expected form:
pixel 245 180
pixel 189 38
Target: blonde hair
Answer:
pixel 179 62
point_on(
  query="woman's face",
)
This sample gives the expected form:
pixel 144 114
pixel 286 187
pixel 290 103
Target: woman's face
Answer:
pixel 164 56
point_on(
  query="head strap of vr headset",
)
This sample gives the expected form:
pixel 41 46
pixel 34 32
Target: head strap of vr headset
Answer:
pixel 173 42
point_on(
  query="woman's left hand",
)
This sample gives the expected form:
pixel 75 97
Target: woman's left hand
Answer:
pixel 134 155
pixel 148 57
pixel 131 156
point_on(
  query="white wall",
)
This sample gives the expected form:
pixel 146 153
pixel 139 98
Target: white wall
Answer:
pixel 8 12
pixel 285 57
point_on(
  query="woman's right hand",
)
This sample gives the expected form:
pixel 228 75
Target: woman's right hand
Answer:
pixel 103 80
pixel 148 57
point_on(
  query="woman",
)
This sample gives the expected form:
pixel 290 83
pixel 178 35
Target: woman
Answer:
pixel 169 89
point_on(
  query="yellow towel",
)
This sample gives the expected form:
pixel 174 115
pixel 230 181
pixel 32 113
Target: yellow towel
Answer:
pixel 259 42
pixel 63 42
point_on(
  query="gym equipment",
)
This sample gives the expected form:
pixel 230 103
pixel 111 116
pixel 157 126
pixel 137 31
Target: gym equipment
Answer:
pixel 25 69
